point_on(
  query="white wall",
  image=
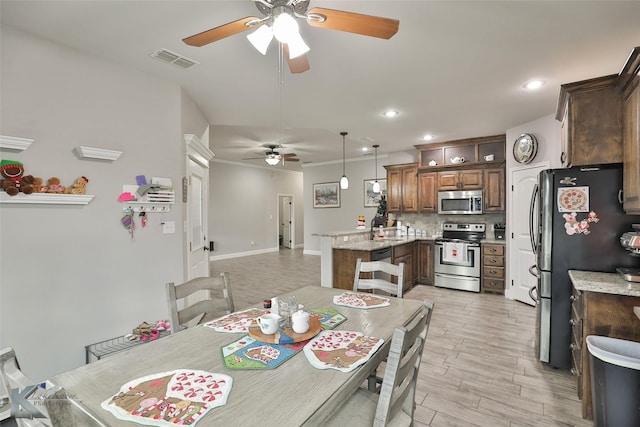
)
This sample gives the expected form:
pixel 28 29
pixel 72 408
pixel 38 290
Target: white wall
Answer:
pixel 72 275
pixel 243 207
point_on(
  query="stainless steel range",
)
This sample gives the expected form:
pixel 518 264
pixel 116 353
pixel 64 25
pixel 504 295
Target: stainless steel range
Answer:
pixel 457 256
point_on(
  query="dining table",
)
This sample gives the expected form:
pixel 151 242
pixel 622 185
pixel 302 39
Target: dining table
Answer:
pixel 293 394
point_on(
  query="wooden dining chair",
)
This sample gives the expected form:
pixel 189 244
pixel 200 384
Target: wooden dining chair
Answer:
pixel 199 300
pixel 396 402
pixel 381 268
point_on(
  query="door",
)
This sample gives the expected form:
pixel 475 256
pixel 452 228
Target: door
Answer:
pixel 521 255
pixel 197 191
pixel 285 219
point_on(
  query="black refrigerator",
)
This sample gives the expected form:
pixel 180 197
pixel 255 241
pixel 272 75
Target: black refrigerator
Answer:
pixel 580 223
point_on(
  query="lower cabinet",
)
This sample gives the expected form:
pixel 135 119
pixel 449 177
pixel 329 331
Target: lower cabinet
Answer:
pixel 425 262
pixel 344 266
pixel 596 313
pixel 404 253
pixel 493 263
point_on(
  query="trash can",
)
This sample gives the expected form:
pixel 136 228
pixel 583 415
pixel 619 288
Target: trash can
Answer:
pixel 615 381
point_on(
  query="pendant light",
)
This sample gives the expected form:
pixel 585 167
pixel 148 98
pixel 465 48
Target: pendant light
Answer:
pixel 376 184
pixel 344 181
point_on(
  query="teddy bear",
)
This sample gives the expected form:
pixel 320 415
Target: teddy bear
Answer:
pixel 53 186
pixel 14 181
pixel 78 186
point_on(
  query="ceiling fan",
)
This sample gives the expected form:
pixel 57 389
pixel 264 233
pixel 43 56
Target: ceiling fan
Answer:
pixel 279 22
pixel 273 157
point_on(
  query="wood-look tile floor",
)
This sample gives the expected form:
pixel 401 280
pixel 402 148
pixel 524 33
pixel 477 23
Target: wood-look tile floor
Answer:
pixel 479 366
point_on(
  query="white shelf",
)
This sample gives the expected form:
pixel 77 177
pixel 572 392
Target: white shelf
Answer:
pixel 46 199
pixel 97 153
pixel 14 143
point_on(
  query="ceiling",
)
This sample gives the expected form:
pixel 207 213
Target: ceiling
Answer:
pixel 455 69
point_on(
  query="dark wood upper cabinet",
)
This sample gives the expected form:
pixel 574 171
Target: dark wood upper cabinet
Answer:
pixel 629 83
pixel 402 187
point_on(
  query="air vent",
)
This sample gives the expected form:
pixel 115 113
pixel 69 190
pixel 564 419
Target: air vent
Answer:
pixel 169 57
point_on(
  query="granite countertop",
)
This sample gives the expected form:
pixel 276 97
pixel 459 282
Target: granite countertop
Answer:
pixel 341 233
pixel 372 245
pixel 606 283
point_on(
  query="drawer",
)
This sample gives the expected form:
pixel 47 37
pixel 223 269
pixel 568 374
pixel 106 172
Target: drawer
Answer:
pixel 493 249
pixel 496 260
pixel 493 285
pixel 492 272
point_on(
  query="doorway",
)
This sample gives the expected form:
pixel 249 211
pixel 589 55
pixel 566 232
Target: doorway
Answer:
pixel 286 228
pixel 521 255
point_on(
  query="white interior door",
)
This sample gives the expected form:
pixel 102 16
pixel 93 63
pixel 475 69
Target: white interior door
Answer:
pixel 197 215
pixel 286 222
pixel 521 255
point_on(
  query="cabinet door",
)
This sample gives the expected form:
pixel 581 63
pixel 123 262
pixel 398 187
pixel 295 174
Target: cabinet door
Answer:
pixel 428 192
pixel 470 179
pixel 410 189
pixel 494 190
pixel 425 262
pixel 394 190
pixel 447 181
pixel 631 134
pixel 565 157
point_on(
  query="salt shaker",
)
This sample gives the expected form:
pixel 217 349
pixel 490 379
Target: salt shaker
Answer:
pixel 274 305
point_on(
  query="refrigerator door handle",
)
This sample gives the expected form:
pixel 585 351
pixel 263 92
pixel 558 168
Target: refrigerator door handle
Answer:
pixel 620 196
pixel 531 294
pixel 532 206
pixel 535 274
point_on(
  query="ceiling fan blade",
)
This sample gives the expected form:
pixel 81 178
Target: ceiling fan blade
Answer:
pixel 290 159
pixel 289 155
pixel 357 23
pixel 299 64
pixel 218 33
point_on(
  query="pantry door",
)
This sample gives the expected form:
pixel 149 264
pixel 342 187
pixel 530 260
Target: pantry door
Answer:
pixel 520 253
pixel 196 189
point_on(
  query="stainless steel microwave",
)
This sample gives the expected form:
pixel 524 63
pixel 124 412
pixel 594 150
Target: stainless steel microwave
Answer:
pixel 460 202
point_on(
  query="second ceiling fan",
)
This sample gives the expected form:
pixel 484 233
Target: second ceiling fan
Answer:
pixel 279 22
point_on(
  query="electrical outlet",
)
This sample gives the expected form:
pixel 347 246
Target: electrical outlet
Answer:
pixel 345 238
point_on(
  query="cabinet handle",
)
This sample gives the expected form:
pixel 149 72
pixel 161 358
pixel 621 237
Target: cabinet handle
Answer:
pixel 563 157
pixel 573 346
pixel 573 298
pixel 493 250
pixel 573 372
pixel 494 261
pixel 572 322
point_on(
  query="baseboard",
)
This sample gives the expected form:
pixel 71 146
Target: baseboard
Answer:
pixel 310 252
pixel 241 254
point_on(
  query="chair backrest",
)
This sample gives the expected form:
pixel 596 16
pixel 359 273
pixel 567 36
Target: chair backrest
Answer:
pixel 192 300
pixel 397 392
pixel 380 283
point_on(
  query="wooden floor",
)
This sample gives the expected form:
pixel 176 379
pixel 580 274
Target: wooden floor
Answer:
pixel 478 367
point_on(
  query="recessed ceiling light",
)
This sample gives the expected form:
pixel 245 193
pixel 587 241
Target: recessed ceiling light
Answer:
pixel 365 149
pixel 428 137
pixel 390 113
pixel 533 84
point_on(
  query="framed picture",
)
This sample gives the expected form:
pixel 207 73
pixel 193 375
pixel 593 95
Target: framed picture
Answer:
pixel 326 195
pixel 371 199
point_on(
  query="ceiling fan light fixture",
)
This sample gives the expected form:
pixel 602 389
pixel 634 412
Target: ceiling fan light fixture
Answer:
pixel 261 38
pixel 297 46
pixel 272 159
pixel 285 27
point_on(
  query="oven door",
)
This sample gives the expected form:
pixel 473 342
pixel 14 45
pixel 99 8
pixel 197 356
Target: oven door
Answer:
pixel 469 268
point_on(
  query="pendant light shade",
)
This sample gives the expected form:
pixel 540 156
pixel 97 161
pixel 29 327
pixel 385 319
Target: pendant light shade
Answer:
pixel 376 184
pixel 344 181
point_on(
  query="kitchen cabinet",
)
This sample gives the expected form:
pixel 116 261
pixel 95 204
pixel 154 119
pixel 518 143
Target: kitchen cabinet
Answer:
pixel 493 262
pixel 439 156
pixel 596 313
pixel 494 190
pixel 630 85
pixel 470 179
pixel 404 253
pixel 402 188
pixel 426 261
pixel 428 192
pixel 591 115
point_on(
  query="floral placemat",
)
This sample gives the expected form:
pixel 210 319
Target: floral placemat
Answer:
pixel 236 322
pixel 341 350
pixel 180 397
pixel 360 300
pixel 249 353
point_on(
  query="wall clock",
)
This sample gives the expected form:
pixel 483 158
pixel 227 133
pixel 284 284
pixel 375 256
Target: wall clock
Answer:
pixel 525 148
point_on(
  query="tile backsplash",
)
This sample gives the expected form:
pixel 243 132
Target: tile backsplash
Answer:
pixel 432 223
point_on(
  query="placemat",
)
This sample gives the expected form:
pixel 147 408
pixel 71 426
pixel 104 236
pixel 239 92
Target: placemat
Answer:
pixel 360 300
pixel 238 321
pixel 180 397
pixel 341 350
pixel 248 353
